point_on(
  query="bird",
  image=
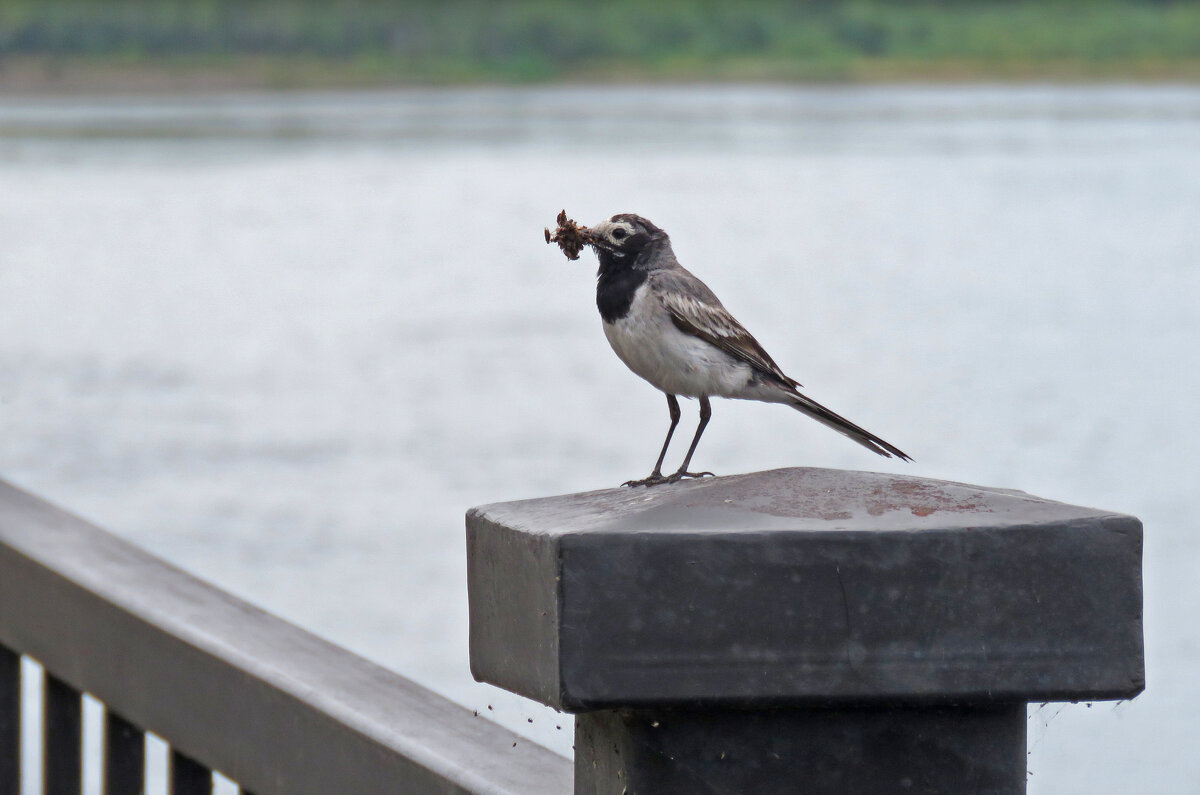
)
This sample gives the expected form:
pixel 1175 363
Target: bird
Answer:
pixel 668 327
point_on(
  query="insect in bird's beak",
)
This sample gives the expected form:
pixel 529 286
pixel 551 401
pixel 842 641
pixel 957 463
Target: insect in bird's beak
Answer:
pixel 570 236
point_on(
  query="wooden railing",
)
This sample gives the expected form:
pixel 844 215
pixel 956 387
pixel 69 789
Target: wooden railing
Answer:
pixel 229 687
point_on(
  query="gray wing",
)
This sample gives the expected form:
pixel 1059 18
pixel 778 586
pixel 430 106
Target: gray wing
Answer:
pixel 696 310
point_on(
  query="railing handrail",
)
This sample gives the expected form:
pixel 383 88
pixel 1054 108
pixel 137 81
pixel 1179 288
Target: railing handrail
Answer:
pixel 274 707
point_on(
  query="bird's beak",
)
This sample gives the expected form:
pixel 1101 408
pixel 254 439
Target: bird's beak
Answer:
pixel 593 237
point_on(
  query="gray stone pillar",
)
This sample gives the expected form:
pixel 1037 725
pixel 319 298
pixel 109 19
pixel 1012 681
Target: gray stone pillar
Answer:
pixel 804 630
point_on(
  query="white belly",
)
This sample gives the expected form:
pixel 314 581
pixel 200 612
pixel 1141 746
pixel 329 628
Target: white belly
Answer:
pixel 675 362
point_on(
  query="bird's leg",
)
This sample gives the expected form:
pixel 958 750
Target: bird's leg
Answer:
pixel 705 414
pixel 657 476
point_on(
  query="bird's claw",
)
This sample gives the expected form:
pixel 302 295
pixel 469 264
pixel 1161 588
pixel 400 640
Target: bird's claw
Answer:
pixel 655 478
pixel 658 478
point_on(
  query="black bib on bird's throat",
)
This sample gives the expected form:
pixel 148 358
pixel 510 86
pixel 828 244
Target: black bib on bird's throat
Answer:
pixel 616 283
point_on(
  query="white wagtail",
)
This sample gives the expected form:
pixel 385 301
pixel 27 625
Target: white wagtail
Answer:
pixel 670 329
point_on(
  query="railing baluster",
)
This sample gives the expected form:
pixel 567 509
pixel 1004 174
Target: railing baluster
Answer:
pixel 62 730
pixel 124 757
pixel 189 777
pixel 10 720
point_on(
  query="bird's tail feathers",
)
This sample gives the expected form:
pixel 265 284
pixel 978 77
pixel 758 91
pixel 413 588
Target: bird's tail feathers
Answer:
pixel 843 426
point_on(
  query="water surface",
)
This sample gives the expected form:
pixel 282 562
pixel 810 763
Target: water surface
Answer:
pixel 285 341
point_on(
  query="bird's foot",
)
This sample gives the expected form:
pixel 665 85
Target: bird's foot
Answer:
pixel 680 475
pixel 656 478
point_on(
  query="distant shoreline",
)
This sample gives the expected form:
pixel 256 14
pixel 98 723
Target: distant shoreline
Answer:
pixel 78 75
pixel 123 46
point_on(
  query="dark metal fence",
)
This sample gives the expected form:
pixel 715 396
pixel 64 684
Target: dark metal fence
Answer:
pixel 229 687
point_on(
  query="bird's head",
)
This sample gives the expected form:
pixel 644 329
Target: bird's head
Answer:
pixel 624 235
pixel 627 240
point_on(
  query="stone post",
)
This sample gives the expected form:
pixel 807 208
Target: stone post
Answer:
pixel 804 630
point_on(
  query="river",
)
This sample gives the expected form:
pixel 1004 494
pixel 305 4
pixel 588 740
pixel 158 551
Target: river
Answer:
pixel 285 341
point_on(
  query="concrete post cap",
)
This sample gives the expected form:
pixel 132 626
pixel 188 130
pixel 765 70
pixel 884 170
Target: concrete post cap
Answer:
pixel 801 587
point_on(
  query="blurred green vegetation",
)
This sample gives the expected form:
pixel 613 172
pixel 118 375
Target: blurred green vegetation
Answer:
pixel 372 41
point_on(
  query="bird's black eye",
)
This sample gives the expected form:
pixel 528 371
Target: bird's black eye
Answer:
pixel 619 234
